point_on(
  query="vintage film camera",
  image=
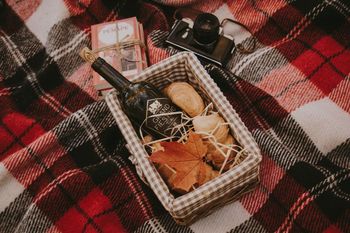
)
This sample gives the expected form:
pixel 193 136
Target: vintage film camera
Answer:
pixel 203 34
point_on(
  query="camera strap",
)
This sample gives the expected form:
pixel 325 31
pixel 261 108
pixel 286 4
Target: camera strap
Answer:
pixel 240 48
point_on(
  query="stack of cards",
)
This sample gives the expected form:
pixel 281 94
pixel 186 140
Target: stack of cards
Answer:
pixel 129 60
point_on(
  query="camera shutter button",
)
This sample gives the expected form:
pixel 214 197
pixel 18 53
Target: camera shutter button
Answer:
pixel 184 36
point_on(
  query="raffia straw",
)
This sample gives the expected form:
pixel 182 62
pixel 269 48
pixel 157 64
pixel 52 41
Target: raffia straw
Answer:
pixel 184 135
pixel 238 158
pixel 206 109
pixel 224 163
pixel 210 136
pixel 218 146
pixel 184 130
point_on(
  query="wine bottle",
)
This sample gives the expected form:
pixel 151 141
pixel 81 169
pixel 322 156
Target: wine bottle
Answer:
pixel 142 102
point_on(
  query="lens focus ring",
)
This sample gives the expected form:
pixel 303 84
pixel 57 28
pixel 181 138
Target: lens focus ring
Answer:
pixel 206 28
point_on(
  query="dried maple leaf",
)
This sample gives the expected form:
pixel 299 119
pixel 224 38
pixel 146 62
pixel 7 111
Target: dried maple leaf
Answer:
pixel 187 160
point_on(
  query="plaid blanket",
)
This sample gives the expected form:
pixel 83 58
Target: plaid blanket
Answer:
pixel 63 164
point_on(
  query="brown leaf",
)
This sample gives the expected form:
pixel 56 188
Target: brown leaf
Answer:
pixel 166 171
pixel 187 160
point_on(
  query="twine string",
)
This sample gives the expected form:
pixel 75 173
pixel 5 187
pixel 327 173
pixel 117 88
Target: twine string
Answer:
pixel 122 44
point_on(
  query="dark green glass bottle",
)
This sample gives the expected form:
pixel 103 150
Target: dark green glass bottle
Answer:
pixel 141 100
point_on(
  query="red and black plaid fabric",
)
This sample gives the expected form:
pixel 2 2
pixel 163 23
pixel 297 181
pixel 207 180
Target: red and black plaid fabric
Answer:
pixel 63 164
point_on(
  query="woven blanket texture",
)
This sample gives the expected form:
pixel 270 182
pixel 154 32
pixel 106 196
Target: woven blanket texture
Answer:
pixel 63 162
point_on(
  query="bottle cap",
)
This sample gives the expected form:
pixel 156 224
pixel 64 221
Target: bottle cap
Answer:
pixel 88 55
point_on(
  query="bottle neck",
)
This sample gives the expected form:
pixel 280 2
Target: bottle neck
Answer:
pixel 111 75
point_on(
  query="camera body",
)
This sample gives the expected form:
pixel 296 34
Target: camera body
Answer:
pixel 203 37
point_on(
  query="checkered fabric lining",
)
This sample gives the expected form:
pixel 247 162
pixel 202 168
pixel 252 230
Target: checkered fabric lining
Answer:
pixel 185 66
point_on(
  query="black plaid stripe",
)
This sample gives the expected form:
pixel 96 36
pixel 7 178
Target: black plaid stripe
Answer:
pixel 133 205
pixel 9 20
pixel 286 143
pixel 318 196
pixel 326 188
pixel 250 225
pixel 48 176
pixel 270 60
pixel 34 221
pixel 91 136
pixel 86 126
pixel 335 14
pixel 33 67
pixel 16 140
pixel 329 182
pixel 99 157
pixel 278 40
pixel 67 194
pixel 186 205
pixel 339 155
pixel 37 75
pixel 259 67
pixel 14 213
pixel 61 192
pixel 163 223
pixel 158 37
pixel 66 40
pixel 303 42
pixel 29 96
pixel 256 108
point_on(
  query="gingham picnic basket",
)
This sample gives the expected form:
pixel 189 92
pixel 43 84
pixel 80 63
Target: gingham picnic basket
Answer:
pixel 230 185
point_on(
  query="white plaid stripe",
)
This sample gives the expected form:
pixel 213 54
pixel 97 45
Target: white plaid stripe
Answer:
pixel 186 67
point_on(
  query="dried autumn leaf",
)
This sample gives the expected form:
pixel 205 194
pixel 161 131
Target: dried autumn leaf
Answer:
pixel 166 171
pixel 187 160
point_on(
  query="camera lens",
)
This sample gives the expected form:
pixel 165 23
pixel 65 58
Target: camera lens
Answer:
pixel 206 28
